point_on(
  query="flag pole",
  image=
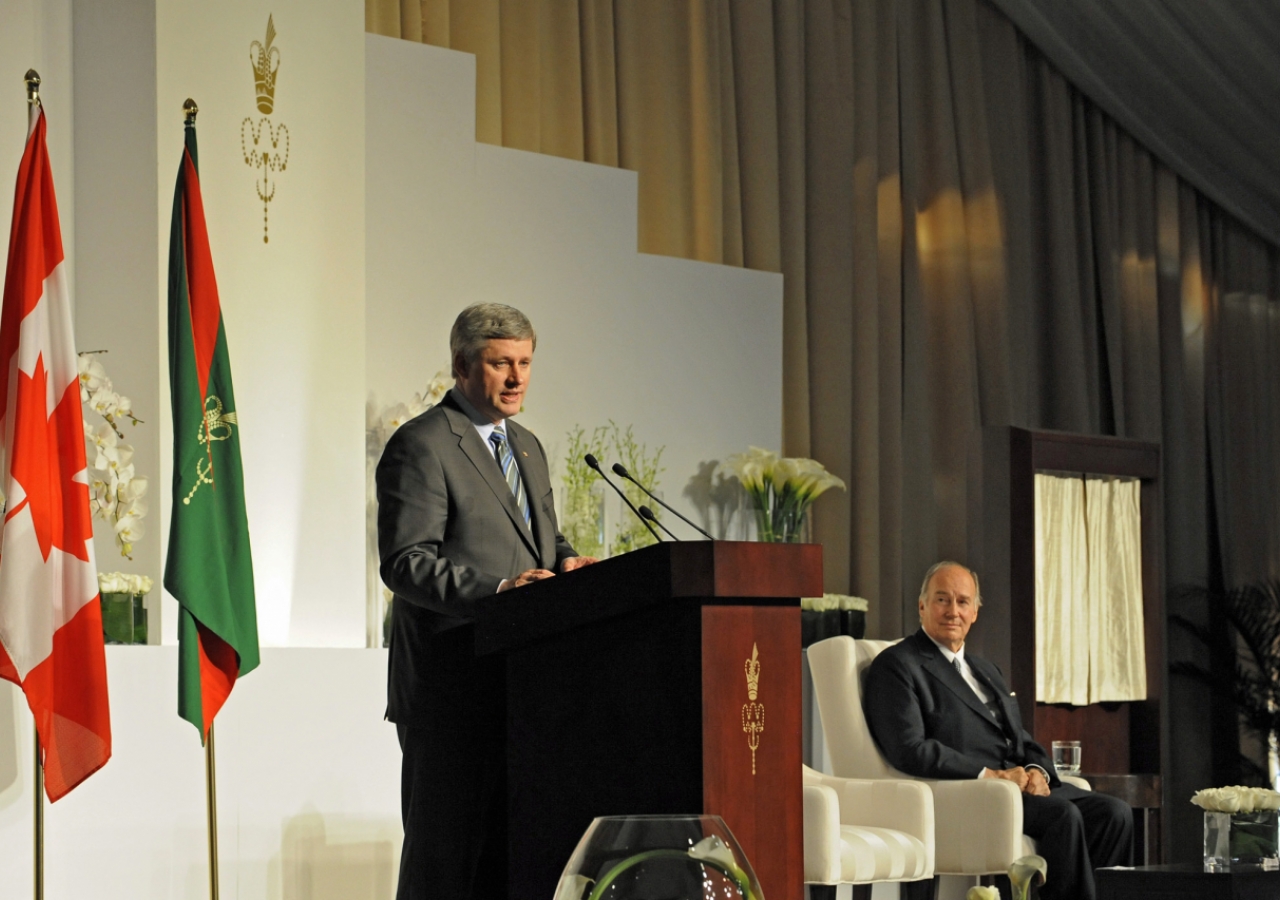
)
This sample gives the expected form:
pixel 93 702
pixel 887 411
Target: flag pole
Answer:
pixel 189 111
pixel 32 78
pixel 39 822
pixel 211 801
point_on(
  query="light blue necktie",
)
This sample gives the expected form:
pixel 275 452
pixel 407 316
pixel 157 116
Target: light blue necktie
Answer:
pixel 510 470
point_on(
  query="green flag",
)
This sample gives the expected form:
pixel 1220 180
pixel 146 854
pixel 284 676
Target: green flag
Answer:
pixel 209 569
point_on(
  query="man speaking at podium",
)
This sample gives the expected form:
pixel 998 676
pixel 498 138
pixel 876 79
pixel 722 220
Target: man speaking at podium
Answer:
pixel 937 712
pixel 464 511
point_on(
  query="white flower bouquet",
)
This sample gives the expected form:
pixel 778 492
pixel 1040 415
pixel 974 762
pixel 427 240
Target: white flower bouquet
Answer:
pixel 781 490
pixel 1241 827
pixel 123 583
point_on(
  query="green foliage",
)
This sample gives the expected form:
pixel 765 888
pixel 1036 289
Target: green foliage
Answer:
pixel 631 533
pixel 582 519
pixel 1253 682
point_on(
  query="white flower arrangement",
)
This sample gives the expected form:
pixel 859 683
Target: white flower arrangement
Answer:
pixel 781 489
pixel 1236 799
pixel 116 492
pixel 828 602
pixel 982 892
pixel 123 583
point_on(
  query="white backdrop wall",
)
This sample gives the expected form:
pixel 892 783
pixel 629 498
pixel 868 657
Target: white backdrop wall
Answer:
pixel 293 307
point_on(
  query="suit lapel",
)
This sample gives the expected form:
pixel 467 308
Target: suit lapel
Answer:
pixel 487 465
pixel 937 666
pixel 989 676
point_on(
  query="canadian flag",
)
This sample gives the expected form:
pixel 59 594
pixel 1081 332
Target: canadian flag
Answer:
pixel 50 618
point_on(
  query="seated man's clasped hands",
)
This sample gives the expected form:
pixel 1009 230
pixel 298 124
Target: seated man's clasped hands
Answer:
pixel 937 712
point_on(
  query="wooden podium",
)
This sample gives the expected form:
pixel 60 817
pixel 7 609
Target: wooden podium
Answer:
pixel 666 680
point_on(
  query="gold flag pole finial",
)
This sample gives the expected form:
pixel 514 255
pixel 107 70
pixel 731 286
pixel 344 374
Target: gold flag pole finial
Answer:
pixel 189 110
pixel 33 87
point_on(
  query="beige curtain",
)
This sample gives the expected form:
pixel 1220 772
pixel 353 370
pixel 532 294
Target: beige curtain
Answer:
pixel 1117 655
pixel 1062 586
pixel 1090 644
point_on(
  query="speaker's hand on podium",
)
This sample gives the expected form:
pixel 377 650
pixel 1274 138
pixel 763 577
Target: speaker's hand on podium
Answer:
pixel 569 563
pixel 524 578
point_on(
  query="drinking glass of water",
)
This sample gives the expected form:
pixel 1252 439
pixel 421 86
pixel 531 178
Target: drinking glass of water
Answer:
pixel 1066 757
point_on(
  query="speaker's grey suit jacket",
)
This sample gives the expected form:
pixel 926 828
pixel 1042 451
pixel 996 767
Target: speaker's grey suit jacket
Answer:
pixel 449 532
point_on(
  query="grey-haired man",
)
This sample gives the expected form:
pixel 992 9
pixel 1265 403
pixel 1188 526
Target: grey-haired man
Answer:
pixel 464 510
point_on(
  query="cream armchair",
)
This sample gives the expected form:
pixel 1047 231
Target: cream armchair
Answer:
pixel 977 824
pixel 859 831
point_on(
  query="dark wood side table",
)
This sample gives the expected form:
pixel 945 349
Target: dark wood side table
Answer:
pixel 1142 792
pixel 1185 882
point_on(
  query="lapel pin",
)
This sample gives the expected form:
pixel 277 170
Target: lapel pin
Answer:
pixel 523 453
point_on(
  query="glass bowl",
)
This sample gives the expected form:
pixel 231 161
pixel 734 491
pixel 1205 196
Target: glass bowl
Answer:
pixel 658 858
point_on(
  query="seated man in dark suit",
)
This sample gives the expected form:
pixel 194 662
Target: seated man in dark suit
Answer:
pixel 936 712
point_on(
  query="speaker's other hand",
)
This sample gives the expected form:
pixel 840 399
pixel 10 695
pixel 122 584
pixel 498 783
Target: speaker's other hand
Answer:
pixel 524 578
pixel 569 563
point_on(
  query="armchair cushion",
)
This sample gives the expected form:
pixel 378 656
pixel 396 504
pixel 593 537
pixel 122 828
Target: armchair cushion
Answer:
pixel 861 831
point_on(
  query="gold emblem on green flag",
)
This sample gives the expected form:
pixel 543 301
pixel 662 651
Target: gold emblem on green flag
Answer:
pixel 215 426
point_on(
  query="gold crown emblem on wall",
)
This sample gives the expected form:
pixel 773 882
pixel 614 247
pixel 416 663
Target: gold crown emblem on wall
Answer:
pixel 265 60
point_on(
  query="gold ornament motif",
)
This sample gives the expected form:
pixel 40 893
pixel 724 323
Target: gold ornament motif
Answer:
pixel 215 426
pixel 266 63
pixel 264 145
pixel 752 711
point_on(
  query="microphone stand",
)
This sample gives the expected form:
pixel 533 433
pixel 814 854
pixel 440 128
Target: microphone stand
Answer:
pixel 647 513
pixel 621 471
pixel 595 464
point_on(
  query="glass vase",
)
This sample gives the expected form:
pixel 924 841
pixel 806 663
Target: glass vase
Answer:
pixel 658 858
pixel 124 618
pixel 1241 841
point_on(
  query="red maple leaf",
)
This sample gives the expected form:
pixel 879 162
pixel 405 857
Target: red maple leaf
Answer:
pixel 48 451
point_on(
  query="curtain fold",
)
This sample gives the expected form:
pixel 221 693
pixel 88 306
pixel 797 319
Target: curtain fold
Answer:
pixel 1117 643
pixel 1063 639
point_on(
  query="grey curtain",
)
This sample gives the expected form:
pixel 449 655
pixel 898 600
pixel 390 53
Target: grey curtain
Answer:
pixel 1197 83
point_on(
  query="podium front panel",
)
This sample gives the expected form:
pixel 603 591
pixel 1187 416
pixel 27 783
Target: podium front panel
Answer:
pixel 751 737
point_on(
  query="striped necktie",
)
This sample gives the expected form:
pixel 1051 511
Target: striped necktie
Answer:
pixel 510 471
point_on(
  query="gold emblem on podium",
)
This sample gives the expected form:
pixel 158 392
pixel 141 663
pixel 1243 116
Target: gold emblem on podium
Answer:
pixel 753 711
pixel 265 144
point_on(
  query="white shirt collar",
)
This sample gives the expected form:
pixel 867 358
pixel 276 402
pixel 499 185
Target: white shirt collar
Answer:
pixel 483 425
pixel 951 655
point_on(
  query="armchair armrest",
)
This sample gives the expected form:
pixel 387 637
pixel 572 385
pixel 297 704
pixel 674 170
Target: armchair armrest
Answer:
pixel 978 825
pixel 821 835
pixel 896 804
pixel 1076 780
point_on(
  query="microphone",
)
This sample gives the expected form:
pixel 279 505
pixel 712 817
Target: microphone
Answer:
pixel 595 464
pixel 647 513
pixel 621 472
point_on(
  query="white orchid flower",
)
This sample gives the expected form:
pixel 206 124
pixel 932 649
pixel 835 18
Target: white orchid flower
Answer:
pixel 92 375
pixel 134 489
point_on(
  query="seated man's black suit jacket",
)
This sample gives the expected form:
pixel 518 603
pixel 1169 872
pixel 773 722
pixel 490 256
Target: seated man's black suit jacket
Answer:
pixel 929 723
